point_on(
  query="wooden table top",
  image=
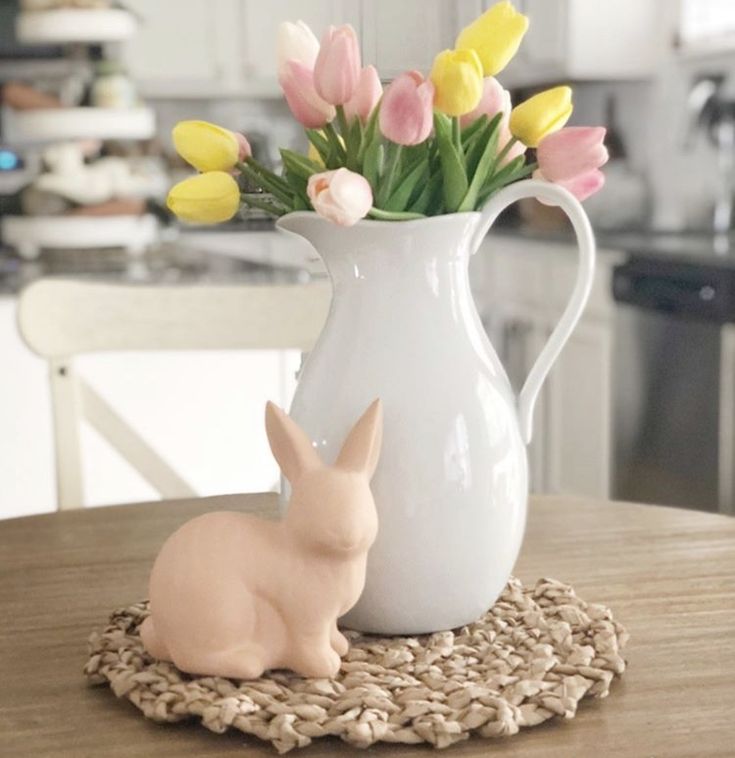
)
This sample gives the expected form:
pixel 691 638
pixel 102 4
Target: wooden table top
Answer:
pixel 668 575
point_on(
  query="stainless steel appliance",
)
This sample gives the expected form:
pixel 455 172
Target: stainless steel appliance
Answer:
pixel 674 381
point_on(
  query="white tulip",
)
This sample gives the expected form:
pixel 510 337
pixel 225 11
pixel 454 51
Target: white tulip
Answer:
pixel 296 42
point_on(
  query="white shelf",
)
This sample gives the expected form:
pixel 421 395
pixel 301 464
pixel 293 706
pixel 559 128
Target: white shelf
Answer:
pixel 61 124
pixel 31 234
pixel 75 25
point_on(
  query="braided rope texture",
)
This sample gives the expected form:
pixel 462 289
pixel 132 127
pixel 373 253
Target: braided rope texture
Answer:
pixel 533 656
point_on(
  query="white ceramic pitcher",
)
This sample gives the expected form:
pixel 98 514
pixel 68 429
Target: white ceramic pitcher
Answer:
pixel 451 487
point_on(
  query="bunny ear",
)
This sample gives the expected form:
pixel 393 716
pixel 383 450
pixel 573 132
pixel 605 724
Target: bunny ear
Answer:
pixel 291 448
pixel 362 446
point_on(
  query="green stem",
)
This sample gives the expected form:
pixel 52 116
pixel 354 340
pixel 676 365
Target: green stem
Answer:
pixel 386 185
pixel 255 202
pixel 508 147
pixel 333 138
pixel 382 215
pixel 457 134
pixel 344 127
pixel 268 181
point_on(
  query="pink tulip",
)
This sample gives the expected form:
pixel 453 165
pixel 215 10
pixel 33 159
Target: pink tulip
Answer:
pixel 297 83
pixel 337 67
pixel 342 196
pixel 407 111
pixel 366 96
pixel 495 99
pixel 581 186
pixel 244 149
pixel 570 152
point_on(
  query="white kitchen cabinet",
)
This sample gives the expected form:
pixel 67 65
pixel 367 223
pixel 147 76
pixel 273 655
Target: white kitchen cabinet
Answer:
pixel 579 403
pixel 185 48
pixel 586 39
pixel 260 25
pixel 202 411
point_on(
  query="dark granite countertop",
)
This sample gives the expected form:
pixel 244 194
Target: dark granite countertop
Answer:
pixel 168 263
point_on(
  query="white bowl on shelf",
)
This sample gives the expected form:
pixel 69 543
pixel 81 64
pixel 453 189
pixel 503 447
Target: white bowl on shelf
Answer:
pixel 69 25
pixel 62 124
pixel 31 234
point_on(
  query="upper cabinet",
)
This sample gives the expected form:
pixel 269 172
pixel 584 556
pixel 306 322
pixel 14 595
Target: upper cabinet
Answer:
pixel 587 39
pixel 706 27
pixel 212 48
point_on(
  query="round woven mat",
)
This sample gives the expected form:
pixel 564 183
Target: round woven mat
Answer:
pixel 534 655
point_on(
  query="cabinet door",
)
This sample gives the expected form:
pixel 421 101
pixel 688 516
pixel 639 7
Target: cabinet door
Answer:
pixel 543 52
pixel 398 36
pixel 185 46
pixel 579 414
pixel 260 26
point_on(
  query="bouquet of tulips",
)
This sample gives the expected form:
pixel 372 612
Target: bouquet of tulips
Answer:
pixel 425 146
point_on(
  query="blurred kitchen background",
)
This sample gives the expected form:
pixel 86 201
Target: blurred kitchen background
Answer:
pixel 640 406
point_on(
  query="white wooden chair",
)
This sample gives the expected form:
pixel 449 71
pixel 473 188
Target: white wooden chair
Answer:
pixel 60 319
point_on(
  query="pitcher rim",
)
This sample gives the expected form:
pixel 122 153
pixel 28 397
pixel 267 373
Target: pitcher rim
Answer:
pixel 374 223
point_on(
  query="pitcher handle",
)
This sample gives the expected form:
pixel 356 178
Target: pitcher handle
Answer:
pixel 554 195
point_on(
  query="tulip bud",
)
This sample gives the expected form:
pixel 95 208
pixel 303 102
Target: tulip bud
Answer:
pixel 541 115
pixel 406 114
pixel 340 196
pixel 243 147
pixel 206 146
pixel 205 198
pixel 297 83
pixel 495 99
pixel 457 77
pixel 495 36
pixel 337 67
pixel 296 42
pixel 571 151
pixel 367 95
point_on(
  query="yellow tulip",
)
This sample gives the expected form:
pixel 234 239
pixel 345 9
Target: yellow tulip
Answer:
pixel 205 198
pixel 206 146
pixel 541 115
pixel 495 36
pixel 457 79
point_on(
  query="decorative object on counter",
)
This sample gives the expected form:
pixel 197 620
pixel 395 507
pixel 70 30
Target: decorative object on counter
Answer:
pixel 534 657
pixel 233 595
pixel 112 87
pixel 443 155
pixel 451 488
pixel 427 146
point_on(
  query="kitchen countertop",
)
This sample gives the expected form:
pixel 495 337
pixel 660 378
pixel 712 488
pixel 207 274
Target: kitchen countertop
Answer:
pixel 177 262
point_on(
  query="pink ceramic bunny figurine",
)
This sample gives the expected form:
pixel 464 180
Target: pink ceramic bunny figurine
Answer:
pixel 233 595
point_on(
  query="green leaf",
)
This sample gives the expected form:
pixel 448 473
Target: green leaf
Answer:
pixel 469 131
pixel 320 142
pixel 354 144
pixel 387 180
pixel 369 135
pixel 406 185
pixel 267 181
pixel 514 171
pixel 383 215
pixel 490 133
pixel 430 195
pixel 483 168
pixel 372 162
pixel 299 164
pixel 259 201
pixel 452 164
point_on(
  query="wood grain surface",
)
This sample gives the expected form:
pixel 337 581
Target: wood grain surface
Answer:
pixel 669 576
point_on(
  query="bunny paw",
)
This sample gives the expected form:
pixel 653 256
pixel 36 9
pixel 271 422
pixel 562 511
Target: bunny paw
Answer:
pixel 339 642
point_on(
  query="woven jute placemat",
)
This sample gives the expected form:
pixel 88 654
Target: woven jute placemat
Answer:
pixel 533 656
